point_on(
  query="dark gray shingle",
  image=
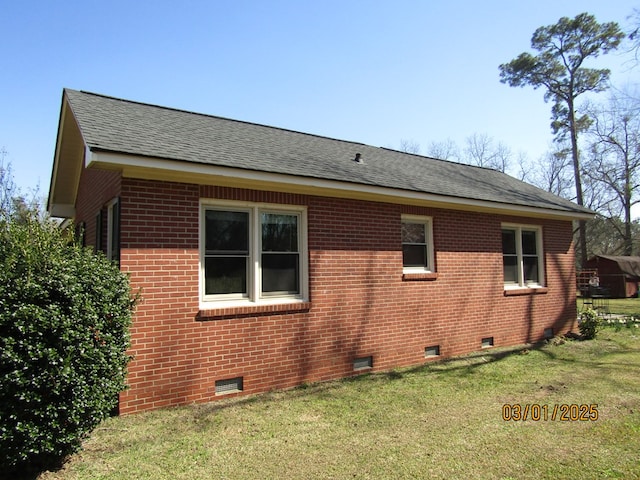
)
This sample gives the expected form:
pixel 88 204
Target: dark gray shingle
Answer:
pixel 116 125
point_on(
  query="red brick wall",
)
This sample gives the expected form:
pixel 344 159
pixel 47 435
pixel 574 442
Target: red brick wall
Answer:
pixel 96 189
pixel 360 304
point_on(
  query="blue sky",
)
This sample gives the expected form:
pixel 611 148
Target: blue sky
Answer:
pixel 376 72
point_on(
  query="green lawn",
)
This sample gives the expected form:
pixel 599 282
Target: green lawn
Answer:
pixel 625 306
pixel 443 420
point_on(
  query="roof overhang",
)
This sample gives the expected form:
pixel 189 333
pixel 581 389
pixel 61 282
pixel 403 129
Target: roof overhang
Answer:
pixel 67 165
pixel 72 154
pixel 132 166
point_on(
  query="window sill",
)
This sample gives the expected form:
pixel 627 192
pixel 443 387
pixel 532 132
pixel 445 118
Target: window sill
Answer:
pixel 413 277
pixel 221 313
pixel 514 292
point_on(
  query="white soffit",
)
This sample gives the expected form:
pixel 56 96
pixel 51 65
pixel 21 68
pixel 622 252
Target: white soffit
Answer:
pixel 133 166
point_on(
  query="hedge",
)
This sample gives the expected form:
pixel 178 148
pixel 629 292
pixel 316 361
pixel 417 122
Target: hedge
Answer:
pixel 65 314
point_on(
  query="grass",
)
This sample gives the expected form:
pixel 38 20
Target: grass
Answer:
pixel 442 420
pixel 625 306
pixel 620 311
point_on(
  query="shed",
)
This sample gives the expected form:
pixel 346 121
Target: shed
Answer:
pixel 620 275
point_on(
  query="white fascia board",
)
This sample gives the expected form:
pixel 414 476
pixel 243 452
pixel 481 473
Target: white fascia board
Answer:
pixel 133 166
pixel 89 156
pixel 56 156
pixel 62 211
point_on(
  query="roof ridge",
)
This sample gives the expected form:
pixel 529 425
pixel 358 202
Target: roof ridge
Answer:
pixel 191 112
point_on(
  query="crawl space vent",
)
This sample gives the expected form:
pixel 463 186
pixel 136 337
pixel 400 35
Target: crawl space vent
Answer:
pixel 229 385
pixel 487 342
pixel 363 363
pixel 433 351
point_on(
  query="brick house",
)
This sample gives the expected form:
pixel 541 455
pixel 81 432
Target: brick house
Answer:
pixel 267 258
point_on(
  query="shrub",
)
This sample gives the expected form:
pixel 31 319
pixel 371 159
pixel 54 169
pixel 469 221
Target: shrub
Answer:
pixel 589 324
pixel 64 319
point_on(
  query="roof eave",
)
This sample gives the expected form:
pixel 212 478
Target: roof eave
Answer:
pixel 134 166
pixel 67 164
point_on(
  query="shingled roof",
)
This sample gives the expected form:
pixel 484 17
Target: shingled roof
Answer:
pixel 123 127
pixel 630 266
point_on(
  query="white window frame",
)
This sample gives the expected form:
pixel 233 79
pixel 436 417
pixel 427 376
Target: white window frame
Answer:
pixel 519 228
pixel 254 294
pixel 428 226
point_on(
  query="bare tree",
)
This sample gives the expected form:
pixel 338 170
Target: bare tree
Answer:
pixel 634 33
pixel 8 189
pixel 555 173
pixel 14 203
pixel 502 157
pixel 409 146
pixel 525 167
pixel 603 236
pixel 445 150
pixel 551 172
pixel 481 150
pixel 614 160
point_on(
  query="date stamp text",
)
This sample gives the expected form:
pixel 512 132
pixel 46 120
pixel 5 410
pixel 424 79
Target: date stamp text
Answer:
pixel 562 412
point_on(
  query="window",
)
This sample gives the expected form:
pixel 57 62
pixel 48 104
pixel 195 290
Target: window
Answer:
pixel 110 213
pixel 98 241
pixel 113 230
pixel 226 263
pixel 522 256
pixel 253 253
pixel 417 244
pixel 280 254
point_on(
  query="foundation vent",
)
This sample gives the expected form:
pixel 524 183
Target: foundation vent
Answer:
pixel 363 363
pixel 487 342
pixel 229 385
pixel 432 351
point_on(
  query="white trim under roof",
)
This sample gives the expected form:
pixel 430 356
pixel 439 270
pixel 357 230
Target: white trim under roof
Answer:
pixel 133 166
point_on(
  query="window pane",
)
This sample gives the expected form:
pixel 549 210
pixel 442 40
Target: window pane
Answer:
pixel 225 275
pixel 280 273
pixel 531 270
pixel 510 268
pixel 227 231
pixel 414 255
pixel 509 242
pixel 413 233
pixel 529 245
pixel 279 232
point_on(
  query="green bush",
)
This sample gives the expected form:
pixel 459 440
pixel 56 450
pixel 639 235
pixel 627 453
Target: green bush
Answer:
pixel 589 324
pixel 65 314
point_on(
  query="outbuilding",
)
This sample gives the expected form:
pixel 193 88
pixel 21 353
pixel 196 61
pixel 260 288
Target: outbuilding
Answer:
pixel 618 275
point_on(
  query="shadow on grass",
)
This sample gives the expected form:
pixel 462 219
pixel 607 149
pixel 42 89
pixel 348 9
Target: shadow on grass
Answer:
pixel 465 364
pixel 601 354
pixel 30 471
